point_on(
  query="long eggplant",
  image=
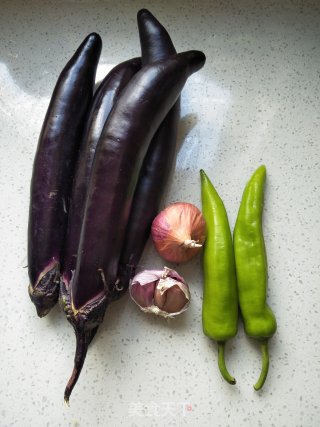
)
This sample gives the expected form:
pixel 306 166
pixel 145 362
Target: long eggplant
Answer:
pixel 155 44
pixel 137 114
pixel 103 102
pixel 53 172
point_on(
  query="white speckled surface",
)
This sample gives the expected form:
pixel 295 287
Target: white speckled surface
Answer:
pixel 256 100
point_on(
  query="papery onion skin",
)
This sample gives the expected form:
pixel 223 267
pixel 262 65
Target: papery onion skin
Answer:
pixel 178 232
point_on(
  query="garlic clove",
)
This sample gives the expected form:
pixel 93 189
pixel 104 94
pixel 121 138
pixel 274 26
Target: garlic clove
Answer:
pixel 164 293
pixel 143 286
pixel 171 296
pixel 143 294
pixel 169 272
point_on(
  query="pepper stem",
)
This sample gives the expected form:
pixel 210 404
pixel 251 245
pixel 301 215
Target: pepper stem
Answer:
pixel 222 364
pixel 265 366
pixel 83 339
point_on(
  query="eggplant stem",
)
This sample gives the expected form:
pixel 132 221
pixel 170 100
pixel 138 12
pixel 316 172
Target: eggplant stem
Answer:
pixel 103 278
pixel 265 366
pixel 82 339
pixel 117 287
pixel 222 364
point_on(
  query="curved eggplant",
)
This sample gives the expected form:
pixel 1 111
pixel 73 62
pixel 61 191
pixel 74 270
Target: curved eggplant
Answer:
pixel 53 172
pixel 156 44
pixel 102 104
pixel 137 114
pixel 131 125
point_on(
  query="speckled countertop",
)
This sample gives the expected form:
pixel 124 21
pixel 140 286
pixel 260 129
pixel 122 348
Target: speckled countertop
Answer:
pixel 255 101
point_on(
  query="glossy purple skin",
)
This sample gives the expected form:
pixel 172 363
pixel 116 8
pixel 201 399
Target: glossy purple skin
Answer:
pixel 86 323
pixel 155 44
pixel 155 41
pixel 102 104
pixel 140 109
pixel 53 171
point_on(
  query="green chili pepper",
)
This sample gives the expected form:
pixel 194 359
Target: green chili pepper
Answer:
pixel 220 299
pixel 251 268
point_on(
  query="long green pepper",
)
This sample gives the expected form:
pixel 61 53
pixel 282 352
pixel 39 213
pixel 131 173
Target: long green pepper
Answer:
pixel 220 299
pixel 251 268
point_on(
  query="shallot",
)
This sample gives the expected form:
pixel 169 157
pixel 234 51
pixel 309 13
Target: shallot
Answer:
pixel 179 232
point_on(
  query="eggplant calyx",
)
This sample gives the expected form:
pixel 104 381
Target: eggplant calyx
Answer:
pixel 45 293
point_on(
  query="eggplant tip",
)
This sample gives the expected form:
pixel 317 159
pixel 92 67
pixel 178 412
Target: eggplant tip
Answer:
pixel 143 12
pixel 45 293
pixel 71 383
pixel 42 311
pixel 42 302
pixel 66 400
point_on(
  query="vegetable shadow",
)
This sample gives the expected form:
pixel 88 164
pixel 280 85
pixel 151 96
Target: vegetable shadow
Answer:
pixel 125 309
pixel 186 124
pixel 56 314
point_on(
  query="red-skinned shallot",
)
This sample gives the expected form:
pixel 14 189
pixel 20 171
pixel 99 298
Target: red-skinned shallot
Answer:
pixel 179 232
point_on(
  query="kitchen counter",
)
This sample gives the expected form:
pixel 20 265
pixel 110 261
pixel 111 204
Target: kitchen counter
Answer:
pixel 256 101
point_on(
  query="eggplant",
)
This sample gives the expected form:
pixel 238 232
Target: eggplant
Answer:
pixel 53 171
pixel 156 45
pixel 155 41
pixel 136 116
pixel 103 101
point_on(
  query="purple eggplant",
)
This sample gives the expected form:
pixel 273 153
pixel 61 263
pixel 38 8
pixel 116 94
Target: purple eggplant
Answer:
pixel 103 102
pixel 155 41
pixel 136 116
pixel 156 44
pixel 53 171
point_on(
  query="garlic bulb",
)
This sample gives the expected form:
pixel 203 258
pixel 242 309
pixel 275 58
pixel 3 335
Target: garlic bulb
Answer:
pixel 161 292
pixel 179 232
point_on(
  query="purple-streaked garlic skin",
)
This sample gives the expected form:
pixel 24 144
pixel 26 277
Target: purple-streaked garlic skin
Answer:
pixel 143 286
pixel 169 272
pixel 143 294
pixel 161 292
